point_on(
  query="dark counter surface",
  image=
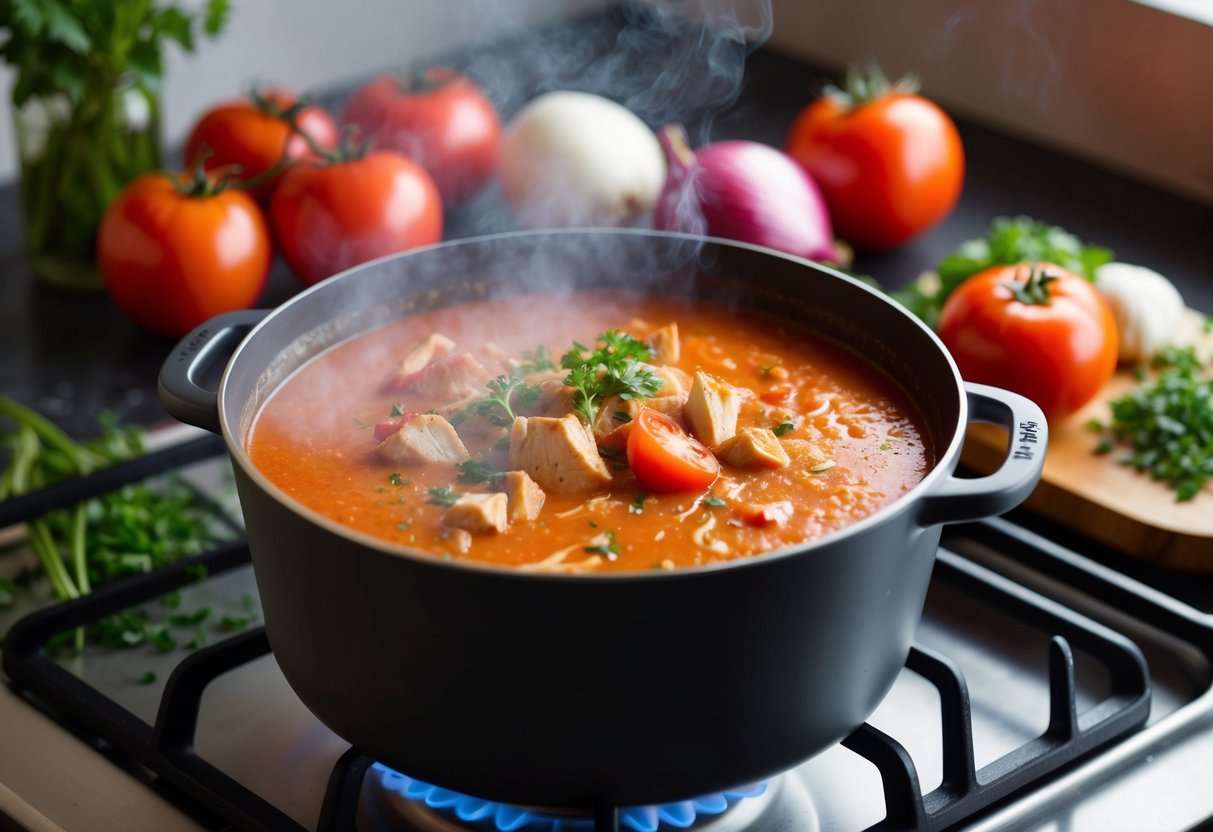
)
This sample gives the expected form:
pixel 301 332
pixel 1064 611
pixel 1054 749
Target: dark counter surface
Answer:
pixel 71 356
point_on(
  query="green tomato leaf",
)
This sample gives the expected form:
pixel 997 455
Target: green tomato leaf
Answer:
pixel 217 13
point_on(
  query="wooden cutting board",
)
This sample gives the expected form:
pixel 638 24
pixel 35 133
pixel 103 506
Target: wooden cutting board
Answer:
pixel 1102 498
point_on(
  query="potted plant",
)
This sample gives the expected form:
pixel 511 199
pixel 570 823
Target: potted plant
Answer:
pixel 86 110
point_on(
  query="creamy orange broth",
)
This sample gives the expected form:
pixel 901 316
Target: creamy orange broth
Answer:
pixel 860 445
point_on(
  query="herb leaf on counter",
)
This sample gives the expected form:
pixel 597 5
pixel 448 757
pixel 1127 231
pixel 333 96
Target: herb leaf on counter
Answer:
pixel 1010 240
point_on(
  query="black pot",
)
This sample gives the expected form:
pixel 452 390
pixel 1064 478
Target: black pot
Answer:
pixel 619 689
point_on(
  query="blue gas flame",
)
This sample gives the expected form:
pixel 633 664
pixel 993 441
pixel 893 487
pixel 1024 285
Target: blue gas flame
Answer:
pixel 506 818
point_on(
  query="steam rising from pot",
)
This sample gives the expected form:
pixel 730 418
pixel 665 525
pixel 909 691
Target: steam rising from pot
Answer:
pixel 668 61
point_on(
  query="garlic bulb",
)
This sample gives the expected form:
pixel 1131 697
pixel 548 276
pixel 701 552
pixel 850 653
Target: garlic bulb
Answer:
pixel 1147 307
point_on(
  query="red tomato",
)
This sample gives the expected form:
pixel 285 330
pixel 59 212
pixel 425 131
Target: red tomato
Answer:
pixel 439 119
pixel 890 165
pixel 1042 332
pixel 329 216
pixel 173 255
pixel 254 134
pixel 665 458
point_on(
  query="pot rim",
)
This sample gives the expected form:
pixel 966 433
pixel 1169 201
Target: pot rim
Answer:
pixel 941 469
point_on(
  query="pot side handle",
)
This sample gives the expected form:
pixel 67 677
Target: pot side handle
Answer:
pixel 207 347
pixel 955 499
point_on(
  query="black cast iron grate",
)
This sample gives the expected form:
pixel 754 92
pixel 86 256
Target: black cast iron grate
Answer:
pixel 167 746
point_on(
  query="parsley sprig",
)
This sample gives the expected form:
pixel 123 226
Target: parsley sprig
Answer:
pixel 478 470
pixel 1167 424
pixel 504 390
pixel 613 368
pixel 443 496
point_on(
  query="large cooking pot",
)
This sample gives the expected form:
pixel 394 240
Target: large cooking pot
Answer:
pixel 616 689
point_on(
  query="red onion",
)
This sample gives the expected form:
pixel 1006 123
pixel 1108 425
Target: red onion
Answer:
pixel 743 191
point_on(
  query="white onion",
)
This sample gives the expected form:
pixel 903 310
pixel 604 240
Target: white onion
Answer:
pixel 575 159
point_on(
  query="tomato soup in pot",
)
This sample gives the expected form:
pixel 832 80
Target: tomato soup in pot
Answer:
pixel 591 432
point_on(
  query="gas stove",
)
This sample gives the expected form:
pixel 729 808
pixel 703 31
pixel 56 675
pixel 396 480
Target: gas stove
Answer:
pixel 1045 689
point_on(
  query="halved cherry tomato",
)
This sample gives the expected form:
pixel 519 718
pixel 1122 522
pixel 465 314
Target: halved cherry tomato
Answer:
pixel 666 458
pixel 1036 329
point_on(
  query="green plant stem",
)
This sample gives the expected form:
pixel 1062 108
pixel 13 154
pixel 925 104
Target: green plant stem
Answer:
pixel 85 460
pixel 51 560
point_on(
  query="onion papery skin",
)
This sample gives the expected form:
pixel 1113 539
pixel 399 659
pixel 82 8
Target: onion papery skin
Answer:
pixel 745 191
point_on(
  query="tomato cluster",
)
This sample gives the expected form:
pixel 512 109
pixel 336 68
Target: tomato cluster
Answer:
pixel 271 170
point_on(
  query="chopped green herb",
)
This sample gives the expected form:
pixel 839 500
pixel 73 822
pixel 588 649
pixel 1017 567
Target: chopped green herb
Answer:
pixel 8 594
pixel 637 505
pixel 161 638
pixel 534 362
pixel 608 549
pixel 234 623
pixel 714 502
pixel 395 479
pixel 1206 326
pixel 402 526
pixel 361 425
pixel 171 600
pixel 782 428
pixel 148 678
pixel 248 601
pixel 884 446
pixel 1168 423
pixel 199 640
pixel 766 371
pixel 397 410
pixel 612 369
pixel 621 416
pixel 593 525
pixel 822 466
pixel 190 619
pixel 498 408
pixel 478 470
pixel 443 496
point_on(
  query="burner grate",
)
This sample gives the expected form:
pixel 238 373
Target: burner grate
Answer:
pixel 167 747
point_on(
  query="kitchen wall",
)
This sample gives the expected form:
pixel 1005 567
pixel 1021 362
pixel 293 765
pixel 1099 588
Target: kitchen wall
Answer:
pixel 1125 82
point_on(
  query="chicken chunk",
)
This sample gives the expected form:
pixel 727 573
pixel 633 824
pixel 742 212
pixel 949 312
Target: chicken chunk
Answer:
pixel 559 454
pixel 674 382
pixel 613 407
pixel 767 514
pixel 711 409
pixel 435 345
pixel 664 344
pixel 478 513
pixel 556 398
pixel 753 448
pixel 524 496
pixel 447 378
pixel 425 438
